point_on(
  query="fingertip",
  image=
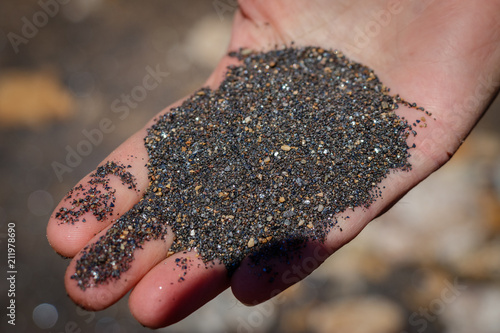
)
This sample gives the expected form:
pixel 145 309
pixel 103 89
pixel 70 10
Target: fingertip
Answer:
pixel 266 274
pixel 253 284
pixel 92 299
pixel 68 240
pixel 95 202
pixel 175 288
pixel 80 276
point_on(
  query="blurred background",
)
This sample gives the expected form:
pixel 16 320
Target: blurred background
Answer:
pixel 432 264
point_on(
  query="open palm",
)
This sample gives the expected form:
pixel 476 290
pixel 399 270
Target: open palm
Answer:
pixel 444 55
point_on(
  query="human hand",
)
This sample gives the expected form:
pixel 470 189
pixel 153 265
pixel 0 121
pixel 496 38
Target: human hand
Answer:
pixel 441 54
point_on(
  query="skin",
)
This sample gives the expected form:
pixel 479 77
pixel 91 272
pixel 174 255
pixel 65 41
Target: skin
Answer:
pixel 444 55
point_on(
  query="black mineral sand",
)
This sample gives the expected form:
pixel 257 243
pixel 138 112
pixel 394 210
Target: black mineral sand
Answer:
pixel 98 197
pixel 289 140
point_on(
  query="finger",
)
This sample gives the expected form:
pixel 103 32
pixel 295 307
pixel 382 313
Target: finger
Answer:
pixel 82 276
pixel 265 274
pixel 97 201
pixel 175 288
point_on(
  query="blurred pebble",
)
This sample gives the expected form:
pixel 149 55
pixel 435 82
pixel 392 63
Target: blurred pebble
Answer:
pixel 426 285
pixel 295 320
pixel 45 315
pixel 490 205
pixel 481 264
pixel 32 99
pixel 40 203
pixel 476 310
pixel 107 325
pixel 207 41
pixel 371 314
